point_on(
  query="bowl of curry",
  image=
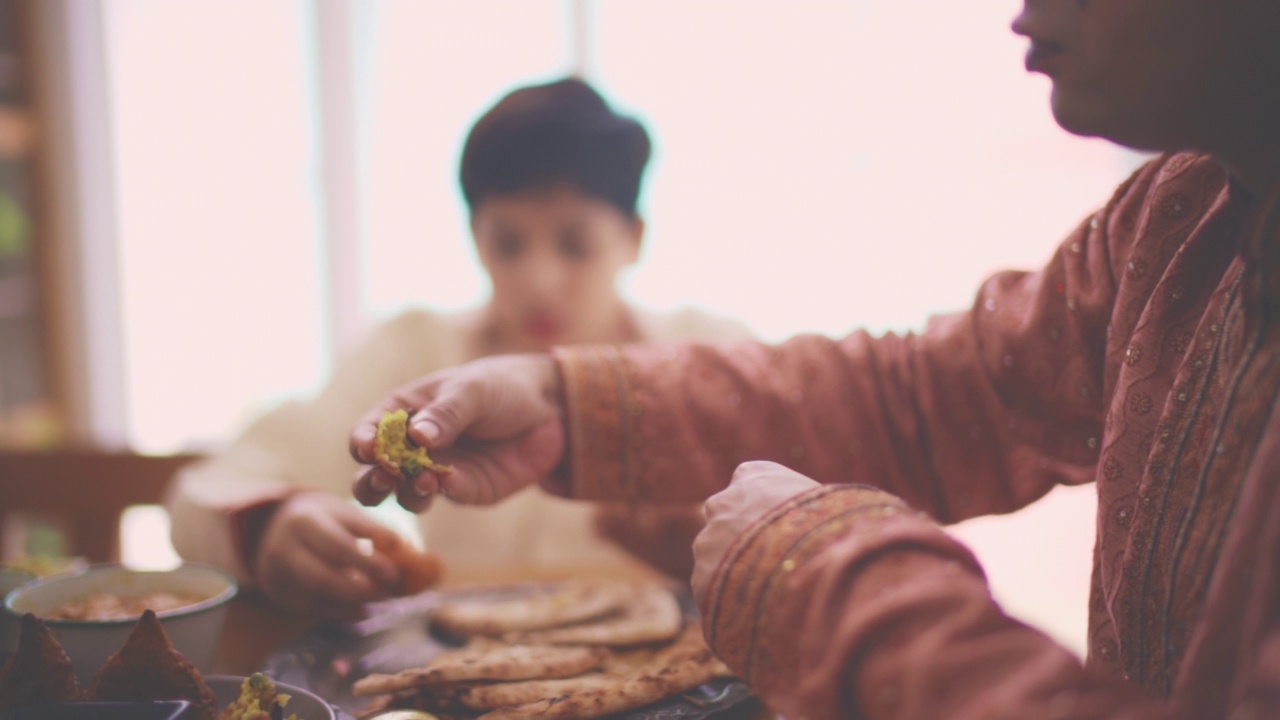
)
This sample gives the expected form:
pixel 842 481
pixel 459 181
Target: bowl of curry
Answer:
pixel 92 611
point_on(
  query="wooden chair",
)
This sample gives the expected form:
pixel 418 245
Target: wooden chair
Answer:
pixel 84 492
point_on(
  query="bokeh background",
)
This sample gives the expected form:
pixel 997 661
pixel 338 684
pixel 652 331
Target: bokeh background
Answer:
pixel 250 185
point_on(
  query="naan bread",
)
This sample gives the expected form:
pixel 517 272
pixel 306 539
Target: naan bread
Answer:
pixel 652 658
pixel 39 671
pixel 500 695
pixel 516 662
pixel 596 698
pixel 571 602
pixel 689 645
pixel 650 615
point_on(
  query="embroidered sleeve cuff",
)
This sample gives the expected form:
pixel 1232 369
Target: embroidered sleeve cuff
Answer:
pixel 599 411
pixel 755 602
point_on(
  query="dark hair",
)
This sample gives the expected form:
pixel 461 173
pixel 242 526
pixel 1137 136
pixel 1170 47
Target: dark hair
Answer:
pixel 562 131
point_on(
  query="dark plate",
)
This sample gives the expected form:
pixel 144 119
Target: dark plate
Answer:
pixel 158 710
pixel 397 635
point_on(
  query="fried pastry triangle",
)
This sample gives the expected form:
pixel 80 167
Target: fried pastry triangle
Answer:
pixel 149 668
pixel 39 671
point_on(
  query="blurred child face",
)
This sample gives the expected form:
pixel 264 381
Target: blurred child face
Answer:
pixel 1158 74
pixel 553 256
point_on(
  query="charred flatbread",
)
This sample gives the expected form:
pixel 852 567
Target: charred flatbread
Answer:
pixel 611 694
pixel 148 667
pixel 571 602
pixel 517 662
pixel 650 614
pixel 500 695
pixel 39 671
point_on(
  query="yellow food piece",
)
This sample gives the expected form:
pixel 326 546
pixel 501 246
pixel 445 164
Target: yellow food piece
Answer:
pixel 257 697
pixel 392 451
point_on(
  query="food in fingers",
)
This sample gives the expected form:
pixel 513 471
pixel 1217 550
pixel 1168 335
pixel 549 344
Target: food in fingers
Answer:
pixel 394 451
pixel 418 570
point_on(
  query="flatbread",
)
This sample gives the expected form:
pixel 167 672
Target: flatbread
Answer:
pixel 39 671
pixel 640 655
pixel 499 695
pixel 650 615
pixel 595 699
pixel 572 602
pixel 689 645
pixel 517 662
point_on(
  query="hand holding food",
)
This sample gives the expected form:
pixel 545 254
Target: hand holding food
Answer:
pixel 496 422
pixel 309 559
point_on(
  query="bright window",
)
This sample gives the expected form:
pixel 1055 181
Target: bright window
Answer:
pixel 813 159
pixel 829 165
pixel 435 66
pixel 217 241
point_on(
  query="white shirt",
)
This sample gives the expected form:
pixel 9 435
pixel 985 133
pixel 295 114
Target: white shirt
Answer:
pixel 304 443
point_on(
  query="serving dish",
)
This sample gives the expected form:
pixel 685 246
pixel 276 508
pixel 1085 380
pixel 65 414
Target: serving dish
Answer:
pixel 157 710
pixel 194 629
pixel 304 703
pixel 11 578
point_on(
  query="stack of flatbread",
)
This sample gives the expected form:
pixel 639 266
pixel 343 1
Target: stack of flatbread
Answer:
pixel 584 649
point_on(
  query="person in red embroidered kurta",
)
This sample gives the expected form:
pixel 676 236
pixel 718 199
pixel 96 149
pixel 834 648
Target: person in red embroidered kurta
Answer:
pixel 1144 357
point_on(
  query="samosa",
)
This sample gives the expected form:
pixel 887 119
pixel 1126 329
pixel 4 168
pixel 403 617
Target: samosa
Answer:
pixel 39 672
pixel 148 667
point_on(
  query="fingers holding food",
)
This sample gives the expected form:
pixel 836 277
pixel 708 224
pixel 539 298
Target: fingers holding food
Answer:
pixel 396 453
pixel 417 570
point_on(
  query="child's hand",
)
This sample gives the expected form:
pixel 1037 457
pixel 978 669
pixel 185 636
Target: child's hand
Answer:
pixel 309 560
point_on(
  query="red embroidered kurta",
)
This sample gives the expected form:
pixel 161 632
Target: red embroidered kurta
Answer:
pixel 1144 357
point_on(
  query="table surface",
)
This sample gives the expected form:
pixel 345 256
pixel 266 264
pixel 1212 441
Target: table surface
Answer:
pixel 255 628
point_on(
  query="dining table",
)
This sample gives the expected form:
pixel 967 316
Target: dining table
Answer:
pixel 255 628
